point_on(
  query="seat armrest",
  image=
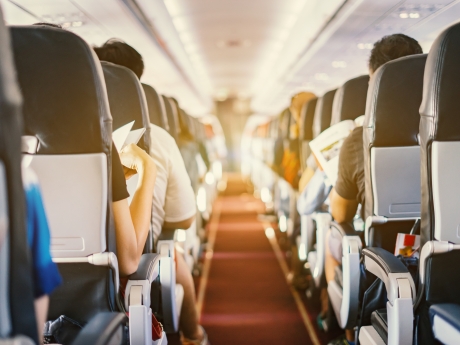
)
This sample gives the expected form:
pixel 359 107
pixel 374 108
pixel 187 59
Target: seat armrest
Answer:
pixel 400 293
pixel 147 269
pixel 103 329
pixel 388 268
pixel 139 283
pixel 344 228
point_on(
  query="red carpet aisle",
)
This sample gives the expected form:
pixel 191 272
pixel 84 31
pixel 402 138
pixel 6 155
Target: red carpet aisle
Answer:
pixel 246 297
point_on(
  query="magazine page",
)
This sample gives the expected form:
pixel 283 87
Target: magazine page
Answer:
pixel 326 147
pixel 119 136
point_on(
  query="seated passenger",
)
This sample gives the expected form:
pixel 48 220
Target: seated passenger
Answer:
pixel 348 191
pixel 173 196
pixel 45 272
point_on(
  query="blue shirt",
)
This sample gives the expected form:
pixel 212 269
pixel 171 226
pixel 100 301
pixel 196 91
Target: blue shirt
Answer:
pixel 45 272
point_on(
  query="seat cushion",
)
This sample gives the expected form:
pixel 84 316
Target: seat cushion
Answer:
pixel 379 321
pixel 445 320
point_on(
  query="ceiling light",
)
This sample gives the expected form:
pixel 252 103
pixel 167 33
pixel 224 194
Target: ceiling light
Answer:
pixel 403 15
pixel 339 64
pixel 365 45
pixel 221 95
pixel 321 76
pixel 414 15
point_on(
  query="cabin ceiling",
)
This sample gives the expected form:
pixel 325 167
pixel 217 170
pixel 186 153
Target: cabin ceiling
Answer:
pixel 266 50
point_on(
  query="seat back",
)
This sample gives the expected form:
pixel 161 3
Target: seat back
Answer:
pixel 350 100
pixel 127 100
pixel 66 109
pixel 323 113
pixel 306 130
pixel 391 150
pixel 17 315
pixel 440 140
pixel 157 111
pixel 173 120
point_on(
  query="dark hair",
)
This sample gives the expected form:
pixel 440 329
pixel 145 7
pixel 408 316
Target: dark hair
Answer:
pixel 120 53
pixel 392 47
pixel 57 26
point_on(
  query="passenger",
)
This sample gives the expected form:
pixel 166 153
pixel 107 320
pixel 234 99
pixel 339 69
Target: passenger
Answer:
pixel 46 276
pixel 173 197
pixel 348 191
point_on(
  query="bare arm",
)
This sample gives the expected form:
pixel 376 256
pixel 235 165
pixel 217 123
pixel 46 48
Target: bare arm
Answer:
pixel 132 222
pixel 41 312
pixel 343 210
pixel 183 224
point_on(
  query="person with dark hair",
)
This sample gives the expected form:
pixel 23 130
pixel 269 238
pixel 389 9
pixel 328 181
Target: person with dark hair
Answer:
pixel 348 191
pixel 121 53
pixel 173 196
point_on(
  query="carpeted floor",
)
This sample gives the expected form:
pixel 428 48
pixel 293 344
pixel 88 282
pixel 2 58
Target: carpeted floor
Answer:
pixel 246 297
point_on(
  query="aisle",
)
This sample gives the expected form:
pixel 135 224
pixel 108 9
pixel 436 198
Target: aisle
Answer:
pixel 246 297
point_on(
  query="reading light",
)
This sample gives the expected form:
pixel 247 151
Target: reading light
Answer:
pixel 321 76
pixel 365 45
pixel 414 15
pixel 404 15
pixel 339 64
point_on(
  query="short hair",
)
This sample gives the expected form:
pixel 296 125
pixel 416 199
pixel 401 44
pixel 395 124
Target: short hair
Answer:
pixel 121 53
pixel 392 47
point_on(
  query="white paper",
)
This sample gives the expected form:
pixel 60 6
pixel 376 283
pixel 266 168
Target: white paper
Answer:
pixel 120 135
pixel 134 137
pixel 326 147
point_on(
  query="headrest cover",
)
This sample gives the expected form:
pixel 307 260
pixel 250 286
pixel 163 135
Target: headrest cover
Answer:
pixel 350 100
pixel 20 307
pixel 127 100
pixel 323 113
pixel 441 91
pixel 172 120
pixel 157 111
pixel 394 97
pixel 306 120
pixel 65 100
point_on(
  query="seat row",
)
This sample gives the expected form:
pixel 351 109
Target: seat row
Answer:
pixel 397 279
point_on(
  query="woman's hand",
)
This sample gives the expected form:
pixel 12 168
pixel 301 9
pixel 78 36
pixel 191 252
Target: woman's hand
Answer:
pixel 135 160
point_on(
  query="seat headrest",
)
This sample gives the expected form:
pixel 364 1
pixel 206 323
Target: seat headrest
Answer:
pixel 285 122
pixel 65 99
pixel 157 111
pixel 394 97
pixel 441 92
pixel 173 120
pixel 323 113
pixel 350 100
pixel 127 100
pixel 306 120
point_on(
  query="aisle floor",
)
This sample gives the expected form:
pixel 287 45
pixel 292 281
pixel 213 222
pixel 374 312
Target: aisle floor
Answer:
pixel 247 299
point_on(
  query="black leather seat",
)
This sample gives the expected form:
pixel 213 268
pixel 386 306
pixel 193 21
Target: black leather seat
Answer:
pixel 306 130
pixel 66 108
pixel 323 113
pixel 17 313
pixel 392 185
pixel 157 111
pixel 173 119
pixel 350 100
pixel 439 142
pixel 127 100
